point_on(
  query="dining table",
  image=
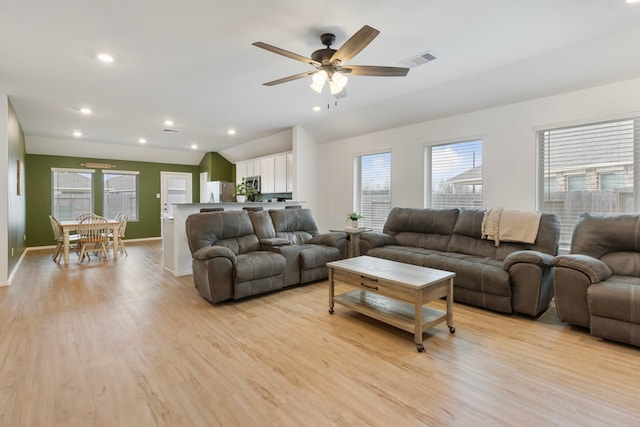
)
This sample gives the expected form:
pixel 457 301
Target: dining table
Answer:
pixel 71 225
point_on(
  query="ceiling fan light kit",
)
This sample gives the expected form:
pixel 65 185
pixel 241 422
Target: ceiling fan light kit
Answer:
pixel 329 63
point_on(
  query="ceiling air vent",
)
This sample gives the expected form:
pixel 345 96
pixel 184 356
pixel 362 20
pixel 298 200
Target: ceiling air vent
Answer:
pixel 414 61
pixel 171 130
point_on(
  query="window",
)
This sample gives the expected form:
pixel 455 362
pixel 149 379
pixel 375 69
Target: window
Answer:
pixel 373 189
pixel 120 194
pixel 453 175
pixel 588 168
pixel 72 192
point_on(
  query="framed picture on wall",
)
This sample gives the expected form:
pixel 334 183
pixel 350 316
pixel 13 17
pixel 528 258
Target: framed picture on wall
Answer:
pixel 19 177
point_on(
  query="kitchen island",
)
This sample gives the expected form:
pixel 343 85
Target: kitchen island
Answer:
pixel 176 256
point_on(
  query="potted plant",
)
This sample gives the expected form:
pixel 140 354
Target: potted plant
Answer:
pixel 354 217
pixel 244 191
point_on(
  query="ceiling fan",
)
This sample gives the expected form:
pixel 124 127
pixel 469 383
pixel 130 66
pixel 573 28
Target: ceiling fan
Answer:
pixel 330 63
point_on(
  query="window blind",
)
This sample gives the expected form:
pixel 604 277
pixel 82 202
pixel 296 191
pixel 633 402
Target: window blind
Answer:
pixel 373 189
pixel 588 168
pixel 453 175
pixel 120 194
pixel 72 192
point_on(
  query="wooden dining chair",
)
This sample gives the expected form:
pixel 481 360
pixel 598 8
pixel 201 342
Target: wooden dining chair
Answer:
pixel 94 236
pixel 122 227
pixel 58 235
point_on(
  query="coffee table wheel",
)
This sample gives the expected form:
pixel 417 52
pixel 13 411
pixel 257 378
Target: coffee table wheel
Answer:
pixel 420 348
pixel 452 329
pixel 331 311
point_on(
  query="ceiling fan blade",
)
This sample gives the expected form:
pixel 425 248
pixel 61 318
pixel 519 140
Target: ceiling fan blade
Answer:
pixel 355 44
pixel 286 53
pixel 372 70
pixel 290 78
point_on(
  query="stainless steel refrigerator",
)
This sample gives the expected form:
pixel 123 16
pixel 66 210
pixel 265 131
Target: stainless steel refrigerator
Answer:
pixel 220 191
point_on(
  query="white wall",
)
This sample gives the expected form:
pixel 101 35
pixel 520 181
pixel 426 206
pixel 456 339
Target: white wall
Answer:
pixel 306 168
pixel 509 158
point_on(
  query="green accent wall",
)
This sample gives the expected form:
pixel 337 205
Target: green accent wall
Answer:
pixel 217 167
pixel 38 191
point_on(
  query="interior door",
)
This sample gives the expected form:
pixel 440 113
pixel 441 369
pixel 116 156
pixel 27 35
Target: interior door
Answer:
pixel 175 187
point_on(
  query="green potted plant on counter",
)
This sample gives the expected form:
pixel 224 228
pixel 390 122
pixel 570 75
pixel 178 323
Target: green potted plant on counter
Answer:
pixel 244 192
pixel 354 217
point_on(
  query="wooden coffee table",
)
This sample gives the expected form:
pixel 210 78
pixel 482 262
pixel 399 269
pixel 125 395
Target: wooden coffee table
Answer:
pixel 393 292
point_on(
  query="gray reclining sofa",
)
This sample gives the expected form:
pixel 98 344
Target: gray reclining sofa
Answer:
pixel 238 254
pixel 510 278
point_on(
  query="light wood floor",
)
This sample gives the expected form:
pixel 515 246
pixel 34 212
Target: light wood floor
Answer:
pixel 123 343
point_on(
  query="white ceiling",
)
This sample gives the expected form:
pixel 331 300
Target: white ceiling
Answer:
pixel 192 61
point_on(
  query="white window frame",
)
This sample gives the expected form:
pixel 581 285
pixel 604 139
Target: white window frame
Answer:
pixel 133 213
pixel 73 213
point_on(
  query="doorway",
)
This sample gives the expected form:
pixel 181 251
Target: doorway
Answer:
pixel 175 187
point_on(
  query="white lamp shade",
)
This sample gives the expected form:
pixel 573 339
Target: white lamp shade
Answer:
pixel 317 80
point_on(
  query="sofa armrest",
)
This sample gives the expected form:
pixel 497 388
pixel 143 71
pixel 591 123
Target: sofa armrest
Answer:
pixel 530 257
pixel 209 252
pixel 328 239
pixel 374 239
pixel 593 268
pixel 274 241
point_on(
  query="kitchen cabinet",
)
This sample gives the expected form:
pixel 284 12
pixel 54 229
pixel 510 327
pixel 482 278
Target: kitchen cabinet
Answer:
pixel 267 172
pixel 276 172
pixel 280 174
pixel 241 171
pixel 290 173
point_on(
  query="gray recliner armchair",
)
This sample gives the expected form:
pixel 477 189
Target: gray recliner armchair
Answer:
pixel 597 286
pixel 227 260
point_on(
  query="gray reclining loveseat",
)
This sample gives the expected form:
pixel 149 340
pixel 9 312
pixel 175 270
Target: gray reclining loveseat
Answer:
pixel 597 286
pixel 510 277
pixel 237 254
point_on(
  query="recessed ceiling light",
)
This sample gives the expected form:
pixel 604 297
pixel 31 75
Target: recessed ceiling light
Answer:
pixel 142 141
pixel 168 122
pixel 105 57
pixel 316 108
pixel 633 1
pixel 231 132
pixel 77 133
pixel 194 146
pixel 85 110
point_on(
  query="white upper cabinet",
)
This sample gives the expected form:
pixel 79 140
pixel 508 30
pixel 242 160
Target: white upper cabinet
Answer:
pixel 267 171
pixel 276 172
pixel 280 174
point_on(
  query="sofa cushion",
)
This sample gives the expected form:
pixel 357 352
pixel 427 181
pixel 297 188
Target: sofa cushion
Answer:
pixel 616 298
pixel 230 229
pixel 623 263
pixel 598 235
pixel 262 224
pixel 313 256
pixel 469 223
pixel 427 221
pixel 405 254
pixel 297 225
pixel 257 265
pixel 473 272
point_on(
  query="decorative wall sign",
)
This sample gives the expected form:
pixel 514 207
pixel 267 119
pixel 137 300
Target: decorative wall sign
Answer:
pixel 98 165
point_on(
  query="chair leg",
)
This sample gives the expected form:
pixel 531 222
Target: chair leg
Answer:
pixel 57 253
pixel 122 248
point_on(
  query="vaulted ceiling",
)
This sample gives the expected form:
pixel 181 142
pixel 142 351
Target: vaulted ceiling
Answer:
pixel 192 62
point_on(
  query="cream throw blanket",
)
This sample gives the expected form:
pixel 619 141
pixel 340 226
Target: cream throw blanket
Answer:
pixel 504 225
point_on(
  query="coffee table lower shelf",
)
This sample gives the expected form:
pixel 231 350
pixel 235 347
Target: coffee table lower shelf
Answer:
pixel 391 311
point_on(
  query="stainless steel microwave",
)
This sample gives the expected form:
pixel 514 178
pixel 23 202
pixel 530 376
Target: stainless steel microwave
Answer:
pixel 254 181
